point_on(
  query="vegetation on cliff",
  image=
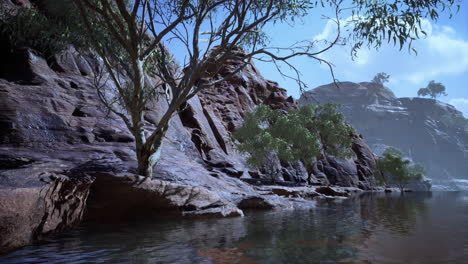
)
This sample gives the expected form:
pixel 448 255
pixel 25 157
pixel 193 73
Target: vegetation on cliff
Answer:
pixel 433 89
pixel 380 78
pixel 299 135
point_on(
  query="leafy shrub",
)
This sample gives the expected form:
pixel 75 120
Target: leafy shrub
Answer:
pixel 301 134
pixel 402 171
pixel 31 28
pixel 380 78
pixel 433 89
pixel 50 29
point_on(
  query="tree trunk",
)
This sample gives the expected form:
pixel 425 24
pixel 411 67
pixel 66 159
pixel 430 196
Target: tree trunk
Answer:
pixel 402 188
pixel 149 153
pixel 147 160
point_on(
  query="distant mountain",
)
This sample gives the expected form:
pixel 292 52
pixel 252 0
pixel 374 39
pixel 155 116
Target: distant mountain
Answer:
pixel 426 130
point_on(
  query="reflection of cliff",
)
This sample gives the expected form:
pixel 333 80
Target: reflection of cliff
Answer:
pixel 397 213
pixel 318 236
pixel 416 229
pixel 417 126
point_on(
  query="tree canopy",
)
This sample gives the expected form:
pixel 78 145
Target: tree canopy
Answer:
pixel 299 135
pixel 380 78
pixel 400 171
pixel 433 89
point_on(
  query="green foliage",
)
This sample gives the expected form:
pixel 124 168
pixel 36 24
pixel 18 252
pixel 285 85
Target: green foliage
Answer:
pixel 31 28
pixel 433 89
pixel 297 135
pixel 381 78
pixel 333 131
pixel 399 21
pixel 401 170
pixel 51 28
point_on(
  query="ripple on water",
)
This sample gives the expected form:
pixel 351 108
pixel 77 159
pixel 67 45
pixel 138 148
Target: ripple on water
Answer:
pixel 373 228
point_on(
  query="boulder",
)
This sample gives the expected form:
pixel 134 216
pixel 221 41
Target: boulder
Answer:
pixel 38 199
pixel 256 202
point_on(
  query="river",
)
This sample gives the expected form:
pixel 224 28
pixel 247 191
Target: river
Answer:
pixel 371 228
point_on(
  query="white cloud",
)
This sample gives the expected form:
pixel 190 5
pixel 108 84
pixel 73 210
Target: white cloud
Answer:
pixel 442 53
pixel 461 104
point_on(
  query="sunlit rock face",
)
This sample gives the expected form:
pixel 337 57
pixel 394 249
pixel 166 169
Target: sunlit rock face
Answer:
pixel 414 125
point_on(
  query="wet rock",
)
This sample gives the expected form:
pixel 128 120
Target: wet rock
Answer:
pixel 219 212
pixel 329 191
pixel 303 192
pixel 256 202
pixel 36 201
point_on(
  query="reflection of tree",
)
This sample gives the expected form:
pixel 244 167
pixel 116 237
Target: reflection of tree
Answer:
pixel 303 237
pixel 398 214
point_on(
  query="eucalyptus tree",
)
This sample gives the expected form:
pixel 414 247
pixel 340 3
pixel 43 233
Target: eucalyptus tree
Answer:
pixel 300 135
pixel 433 89
pixel 380 78
pixel 401 170
pixel 138 62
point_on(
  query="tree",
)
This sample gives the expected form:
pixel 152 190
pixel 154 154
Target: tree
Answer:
pixel 433 89
pixel 401 170
pixel 139 66
pixel 299 135
pixel 381 78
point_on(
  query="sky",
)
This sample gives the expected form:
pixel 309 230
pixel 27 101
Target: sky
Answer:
pixel 442 56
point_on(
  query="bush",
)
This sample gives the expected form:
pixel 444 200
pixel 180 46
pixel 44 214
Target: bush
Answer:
pixel 380 78
pixel 401 170
pixel 433 89
pixel 49 29
pixel 301 134
pixel 30 28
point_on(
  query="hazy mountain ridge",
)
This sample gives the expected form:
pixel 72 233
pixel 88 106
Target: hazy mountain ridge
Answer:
pixel 426 130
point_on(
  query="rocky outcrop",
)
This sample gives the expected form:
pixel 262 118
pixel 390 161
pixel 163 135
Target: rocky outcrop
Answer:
pixel 51 115
pixel 120 196
pixel 221 111
pixel 38 198
pixel 65 157
pixel 417 126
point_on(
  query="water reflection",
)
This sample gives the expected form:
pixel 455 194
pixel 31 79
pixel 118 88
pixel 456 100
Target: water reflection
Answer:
pixel 397 213
pixel 371 228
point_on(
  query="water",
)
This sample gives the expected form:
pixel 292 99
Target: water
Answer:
pixel 374 228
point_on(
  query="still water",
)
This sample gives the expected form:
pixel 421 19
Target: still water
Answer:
pixel 373 228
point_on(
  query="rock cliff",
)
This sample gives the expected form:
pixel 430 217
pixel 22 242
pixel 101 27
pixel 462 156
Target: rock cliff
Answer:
pixel 63 157
pixel 421 128
pixel 58 144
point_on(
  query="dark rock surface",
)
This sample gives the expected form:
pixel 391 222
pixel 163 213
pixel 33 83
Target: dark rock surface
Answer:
pixel 414 125
pixel 38 198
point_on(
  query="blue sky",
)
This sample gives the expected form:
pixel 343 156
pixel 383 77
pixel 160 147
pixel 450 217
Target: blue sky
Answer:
pixel 442 56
